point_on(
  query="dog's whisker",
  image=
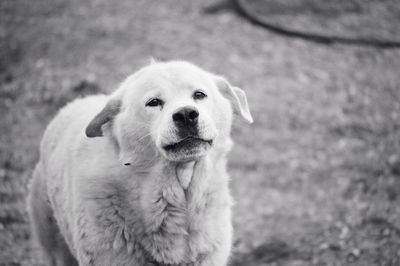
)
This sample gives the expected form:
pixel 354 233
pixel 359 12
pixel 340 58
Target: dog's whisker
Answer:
pixel 142 137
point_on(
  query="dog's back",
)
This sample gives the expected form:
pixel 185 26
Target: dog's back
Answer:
pixel 70 123
pixel 48 187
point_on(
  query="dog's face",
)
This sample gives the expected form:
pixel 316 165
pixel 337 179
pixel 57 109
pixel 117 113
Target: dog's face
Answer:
pixel 174 110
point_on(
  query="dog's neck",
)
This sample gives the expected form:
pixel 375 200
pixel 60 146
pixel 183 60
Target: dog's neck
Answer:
pixel 175 200
pixel 187 176
pixel 183 184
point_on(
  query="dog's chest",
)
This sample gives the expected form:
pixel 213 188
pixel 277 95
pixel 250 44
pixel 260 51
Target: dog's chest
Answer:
pixel 183 229
pixel 167 224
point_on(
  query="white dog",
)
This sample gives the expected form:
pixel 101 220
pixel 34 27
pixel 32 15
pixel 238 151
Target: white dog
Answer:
pixel 139 177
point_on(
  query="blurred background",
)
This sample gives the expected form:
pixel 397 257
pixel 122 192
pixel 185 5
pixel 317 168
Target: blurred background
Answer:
pixel 316 178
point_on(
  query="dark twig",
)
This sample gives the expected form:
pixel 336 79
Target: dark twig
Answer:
pixel 242 8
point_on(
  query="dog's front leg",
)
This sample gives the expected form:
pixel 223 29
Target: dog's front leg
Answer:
pixel 220 256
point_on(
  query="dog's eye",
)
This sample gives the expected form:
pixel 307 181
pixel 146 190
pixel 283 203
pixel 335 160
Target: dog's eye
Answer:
pixel 198 95
pixel 154 102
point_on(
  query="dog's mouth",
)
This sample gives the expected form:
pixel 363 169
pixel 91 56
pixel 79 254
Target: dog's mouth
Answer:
pixel 187 143
pixel 187 149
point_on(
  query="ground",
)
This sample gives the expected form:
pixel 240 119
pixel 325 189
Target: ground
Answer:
pixel 315 178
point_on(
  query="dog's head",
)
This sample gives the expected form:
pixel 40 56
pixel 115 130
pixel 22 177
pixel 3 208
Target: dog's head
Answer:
pixel 174 110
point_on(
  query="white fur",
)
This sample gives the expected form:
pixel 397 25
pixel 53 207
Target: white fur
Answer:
pixel 88 207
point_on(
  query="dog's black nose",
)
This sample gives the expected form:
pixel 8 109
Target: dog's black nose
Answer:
pixel 185 116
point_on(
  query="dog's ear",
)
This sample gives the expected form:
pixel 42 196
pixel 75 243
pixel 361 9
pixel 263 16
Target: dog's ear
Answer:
pixel 237 97
pixel 112 108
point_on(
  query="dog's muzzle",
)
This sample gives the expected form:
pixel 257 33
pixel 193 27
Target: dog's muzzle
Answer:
pixel 190 144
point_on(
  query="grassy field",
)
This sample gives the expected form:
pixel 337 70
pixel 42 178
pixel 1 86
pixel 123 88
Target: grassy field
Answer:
pixel 316 178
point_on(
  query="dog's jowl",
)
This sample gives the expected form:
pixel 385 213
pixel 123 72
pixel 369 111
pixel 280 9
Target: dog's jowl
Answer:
pixel 139 177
